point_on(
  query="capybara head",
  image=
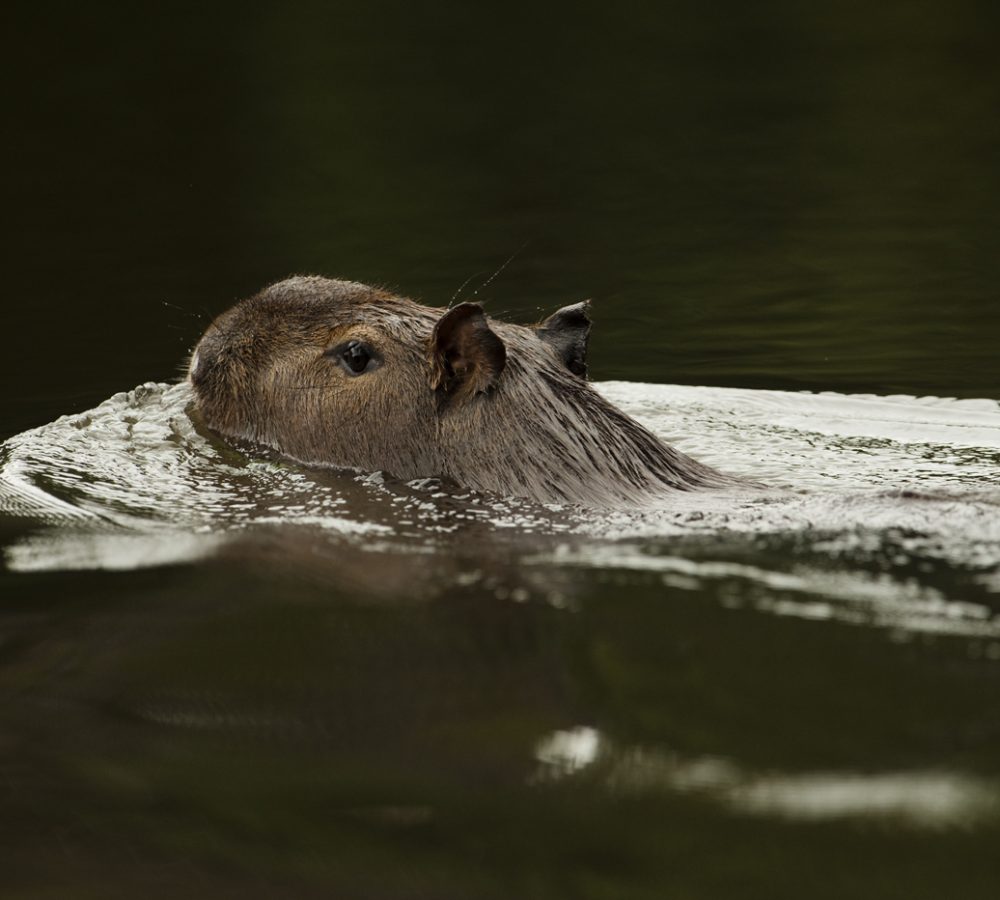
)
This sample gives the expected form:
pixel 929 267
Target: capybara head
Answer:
pixel 338 373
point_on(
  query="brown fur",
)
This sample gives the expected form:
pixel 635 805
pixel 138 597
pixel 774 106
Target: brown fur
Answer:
pixel 490 405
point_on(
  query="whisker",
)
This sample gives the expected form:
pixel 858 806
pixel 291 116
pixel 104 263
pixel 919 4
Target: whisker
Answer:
pixel 200 315
pixel 503 266
pixel 461 288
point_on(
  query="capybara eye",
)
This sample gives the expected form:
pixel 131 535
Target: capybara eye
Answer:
pixel 355 355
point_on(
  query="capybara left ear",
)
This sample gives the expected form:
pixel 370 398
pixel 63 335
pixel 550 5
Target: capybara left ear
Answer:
pixel 466 356
pixel 567 331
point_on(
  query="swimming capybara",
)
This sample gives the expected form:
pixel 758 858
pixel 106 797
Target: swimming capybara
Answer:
pixel 336 373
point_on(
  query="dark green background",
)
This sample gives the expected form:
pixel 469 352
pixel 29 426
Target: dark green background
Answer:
pixel 775 194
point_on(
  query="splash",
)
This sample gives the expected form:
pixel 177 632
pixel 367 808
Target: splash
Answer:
pixel 871 497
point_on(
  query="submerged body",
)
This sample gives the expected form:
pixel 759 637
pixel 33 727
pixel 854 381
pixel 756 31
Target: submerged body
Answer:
pixel 337 373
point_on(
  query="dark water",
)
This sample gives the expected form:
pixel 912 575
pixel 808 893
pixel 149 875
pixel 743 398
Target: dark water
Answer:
pixel 497 704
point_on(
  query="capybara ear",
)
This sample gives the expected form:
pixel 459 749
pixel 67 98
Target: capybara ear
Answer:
pixel 567 331
pixel 466 356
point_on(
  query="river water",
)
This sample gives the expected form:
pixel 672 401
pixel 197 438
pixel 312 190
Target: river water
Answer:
pixel 226 655
pixel 226 675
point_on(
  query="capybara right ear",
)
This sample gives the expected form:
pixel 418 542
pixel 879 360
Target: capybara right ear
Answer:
pixel 567 331
pixel 466 356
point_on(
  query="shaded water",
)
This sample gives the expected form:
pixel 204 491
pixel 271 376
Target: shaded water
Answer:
pixel 226 675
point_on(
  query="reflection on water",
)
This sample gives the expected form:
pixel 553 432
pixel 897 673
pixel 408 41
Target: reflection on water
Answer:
pixel 113 552
pixel 564 752
pixel 854 597
pixel 920 798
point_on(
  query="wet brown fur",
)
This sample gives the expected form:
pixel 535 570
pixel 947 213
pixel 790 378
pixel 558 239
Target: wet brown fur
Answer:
pixel 490 405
